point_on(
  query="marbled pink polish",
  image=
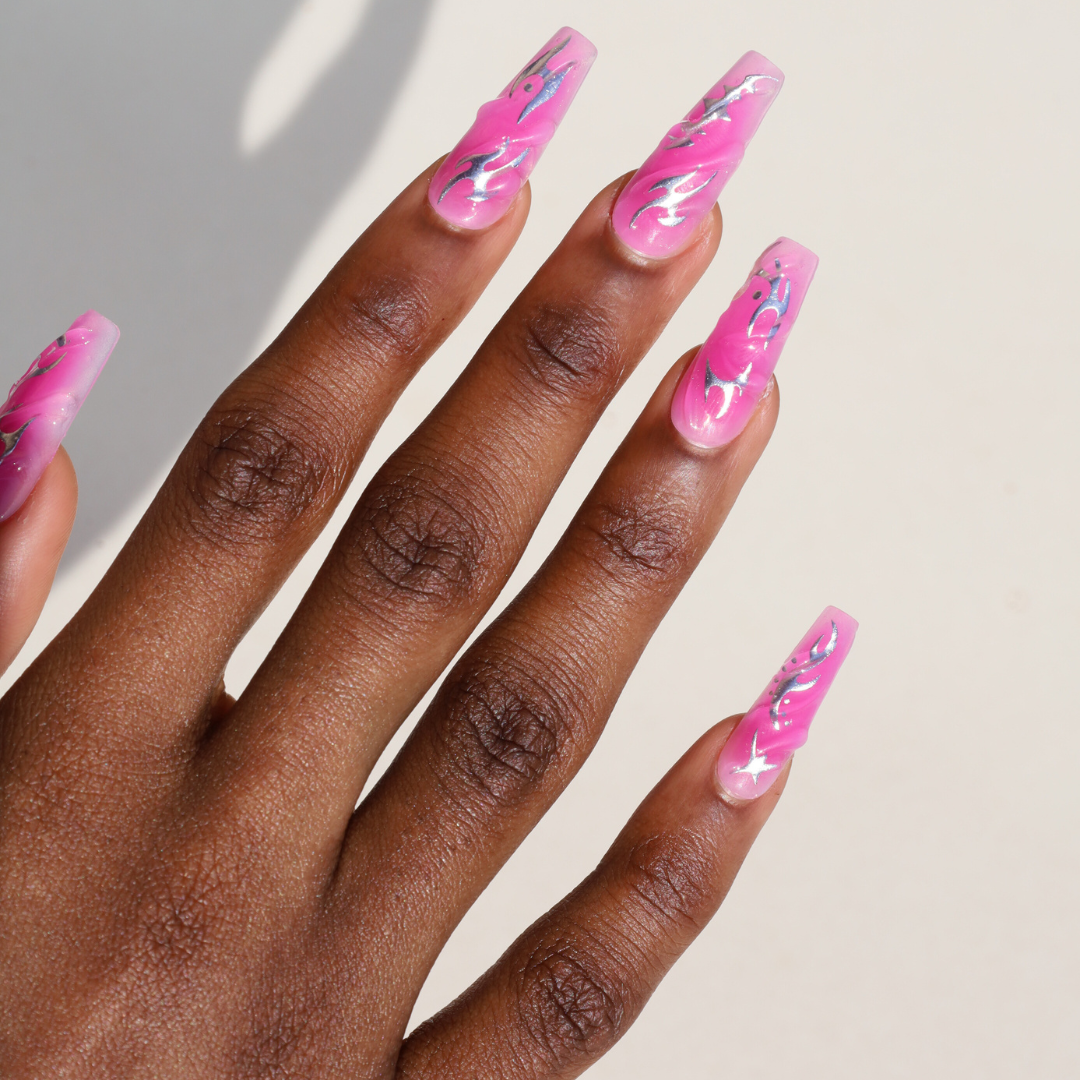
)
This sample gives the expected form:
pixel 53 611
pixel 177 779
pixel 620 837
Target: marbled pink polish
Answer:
pixel 662 205
pixel 42 404
pixel 477 182
pixel 779 721
pixel 719 390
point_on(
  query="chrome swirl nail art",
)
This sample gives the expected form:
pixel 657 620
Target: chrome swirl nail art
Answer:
pixel 43 403
pixel 778 723
pixel 476 183
pixel 695 160
pixel 719 390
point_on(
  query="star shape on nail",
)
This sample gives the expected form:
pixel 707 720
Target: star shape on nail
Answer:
pixel 757 764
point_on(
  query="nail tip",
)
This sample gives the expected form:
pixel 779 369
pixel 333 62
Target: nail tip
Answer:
pixel 590 51
pixel 758 60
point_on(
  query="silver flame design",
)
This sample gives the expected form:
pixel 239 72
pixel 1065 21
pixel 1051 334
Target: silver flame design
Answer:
pixel 37 369
pixel 727 386
pixel 480 175
pixel 773 302
pixel 672 199
pixel 791 685
pixel 716 109
pixel 551 80
pixel 9 440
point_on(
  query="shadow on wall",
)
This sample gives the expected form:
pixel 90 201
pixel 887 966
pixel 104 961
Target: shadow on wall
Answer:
pixel 124 188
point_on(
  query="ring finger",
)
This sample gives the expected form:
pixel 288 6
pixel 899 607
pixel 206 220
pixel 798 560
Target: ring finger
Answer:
pixel 519 714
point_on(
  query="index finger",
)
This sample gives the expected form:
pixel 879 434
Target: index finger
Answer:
pixel 267 466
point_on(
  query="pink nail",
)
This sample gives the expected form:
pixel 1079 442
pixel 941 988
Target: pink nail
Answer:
pixel 779 721
pixel 479 179
pixel 719 390
pixel 42 404
pixel 660 208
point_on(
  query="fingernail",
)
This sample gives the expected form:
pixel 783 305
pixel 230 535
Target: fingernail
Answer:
pixel 779 721
pixel 479 179
pixel 718 391
pixel 660 208
pixel 42 404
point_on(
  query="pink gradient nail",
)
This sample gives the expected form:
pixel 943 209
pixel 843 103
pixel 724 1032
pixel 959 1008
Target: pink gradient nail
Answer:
pixel 660 208
pixel 779 721
pixel 479 179
pixel 42 404
pixel 719 390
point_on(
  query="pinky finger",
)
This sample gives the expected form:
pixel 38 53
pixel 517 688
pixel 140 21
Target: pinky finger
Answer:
pixel 31 543
pixel 574 982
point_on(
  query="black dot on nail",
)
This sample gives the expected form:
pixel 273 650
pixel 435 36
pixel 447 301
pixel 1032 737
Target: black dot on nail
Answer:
pixel 757 295
pixel 528 87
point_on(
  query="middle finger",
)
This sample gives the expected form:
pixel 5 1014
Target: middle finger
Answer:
pixel 440 528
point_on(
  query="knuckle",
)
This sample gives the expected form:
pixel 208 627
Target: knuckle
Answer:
pixel 670 875
pixel 569 1006
pixel 636 537
pixel 386 315
pixel 571 351
pixel 501 730
pixel 256 473
pixel 419 538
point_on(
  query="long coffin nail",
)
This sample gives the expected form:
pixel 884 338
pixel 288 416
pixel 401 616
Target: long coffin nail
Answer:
pixel 660 208
pixel 42 404
pixel 719 390
pixel 779 721
pixel 477 182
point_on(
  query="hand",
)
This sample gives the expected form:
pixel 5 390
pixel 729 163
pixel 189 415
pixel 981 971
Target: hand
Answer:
pixel 186 885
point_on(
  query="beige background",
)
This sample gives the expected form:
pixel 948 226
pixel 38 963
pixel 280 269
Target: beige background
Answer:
pixel 192 170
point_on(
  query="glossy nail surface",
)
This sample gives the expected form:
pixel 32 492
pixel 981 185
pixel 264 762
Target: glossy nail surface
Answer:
pixel 42 404
pixel 719 390
pixel 779 721
pixel 659 209
pixel 477 182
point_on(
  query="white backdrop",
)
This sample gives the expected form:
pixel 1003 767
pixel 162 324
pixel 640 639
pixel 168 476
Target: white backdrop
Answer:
pixel 193 169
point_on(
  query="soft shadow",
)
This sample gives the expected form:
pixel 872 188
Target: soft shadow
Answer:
pixel 123 189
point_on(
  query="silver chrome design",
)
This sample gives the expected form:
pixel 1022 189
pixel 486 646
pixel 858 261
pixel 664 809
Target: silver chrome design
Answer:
pixel 552 80
pixel 671 200
pixel 10 440
pixel 716 109
pixel 37 369
pixel 727 386
pixel 480 175
pixel 791 685
pixel 757 764
pixel 773 302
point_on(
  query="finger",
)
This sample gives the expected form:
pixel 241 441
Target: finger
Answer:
pixel 43 404
pixel 31 543
pixel 266 468
pixel 574 982
pixel 521 711
pixel 38 490
pixel 434 538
